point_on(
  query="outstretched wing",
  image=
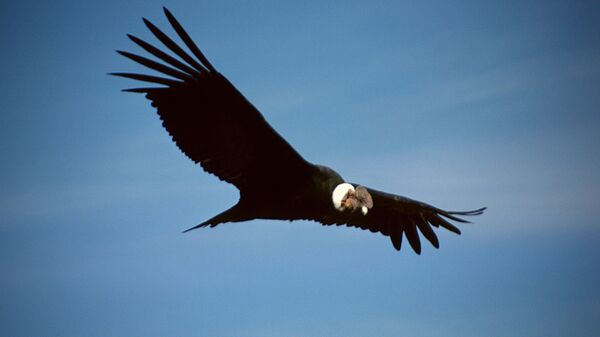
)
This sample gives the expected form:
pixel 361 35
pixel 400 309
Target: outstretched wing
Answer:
pixel 396 216
pixel 210 120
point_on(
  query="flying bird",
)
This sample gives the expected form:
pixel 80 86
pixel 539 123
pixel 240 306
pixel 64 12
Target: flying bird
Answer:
pixel 217 127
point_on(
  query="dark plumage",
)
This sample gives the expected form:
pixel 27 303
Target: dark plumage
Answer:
pixel 216 127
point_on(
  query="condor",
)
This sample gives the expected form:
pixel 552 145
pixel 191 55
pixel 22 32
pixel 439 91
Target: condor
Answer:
pixel 215 126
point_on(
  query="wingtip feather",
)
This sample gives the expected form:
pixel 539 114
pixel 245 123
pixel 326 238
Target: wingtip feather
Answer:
pixel 410 232
pixel 134 90
pixel 187 40
pixel 396 241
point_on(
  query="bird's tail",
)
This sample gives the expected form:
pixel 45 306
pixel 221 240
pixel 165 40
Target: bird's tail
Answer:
pixel 234 214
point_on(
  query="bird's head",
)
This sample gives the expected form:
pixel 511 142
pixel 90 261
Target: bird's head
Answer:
pixel 347 198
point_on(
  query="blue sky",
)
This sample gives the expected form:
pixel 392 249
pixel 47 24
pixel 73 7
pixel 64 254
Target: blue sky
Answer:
pixel 460 105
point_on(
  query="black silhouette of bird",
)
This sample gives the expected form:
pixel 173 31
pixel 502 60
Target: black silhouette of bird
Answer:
pixel 218 128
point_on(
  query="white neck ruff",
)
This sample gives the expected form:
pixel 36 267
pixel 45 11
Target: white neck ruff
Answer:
pixel 339 193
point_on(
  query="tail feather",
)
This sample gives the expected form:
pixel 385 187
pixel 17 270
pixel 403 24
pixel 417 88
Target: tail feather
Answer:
pixel 204 224
pixel 233 214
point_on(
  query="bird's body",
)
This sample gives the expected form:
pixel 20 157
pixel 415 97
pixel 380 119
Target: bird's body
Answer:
pixel 301 199
pixel 216 127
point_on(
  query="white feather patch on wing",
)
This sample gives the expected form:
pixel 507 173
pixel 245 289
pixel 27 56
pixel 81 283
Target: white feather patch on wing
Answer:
pixel 339 193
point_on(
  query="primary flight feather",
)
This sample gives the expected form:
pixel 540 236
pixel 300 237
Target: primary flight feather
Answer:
pixel 218 128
